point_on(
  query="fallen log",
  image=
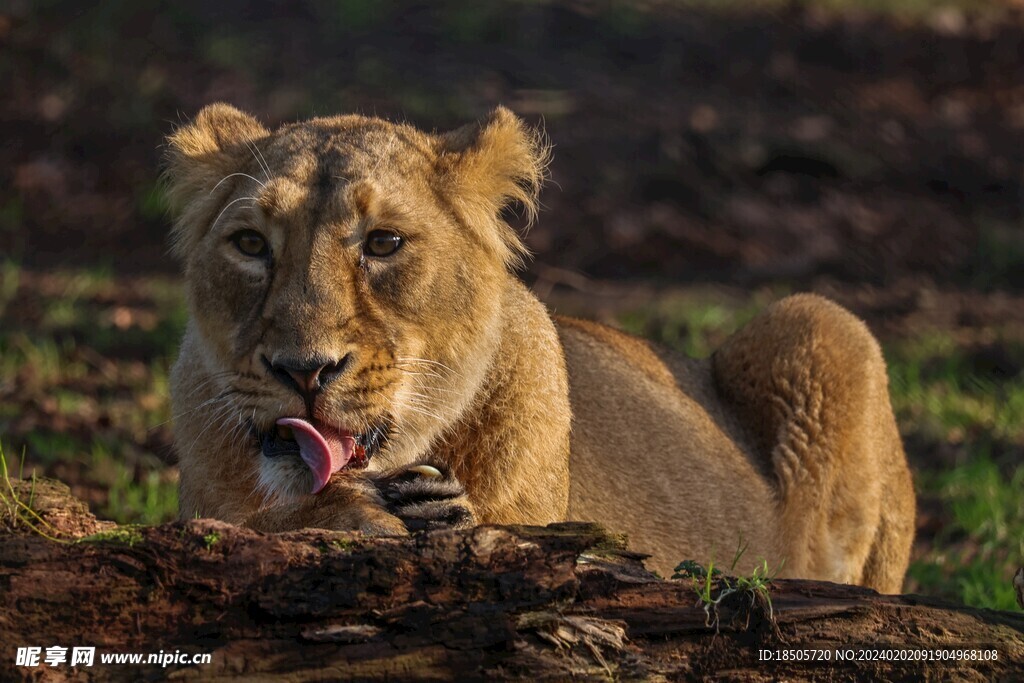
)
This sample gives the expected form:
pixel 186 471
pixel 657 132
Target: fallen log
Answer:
pixel 551 603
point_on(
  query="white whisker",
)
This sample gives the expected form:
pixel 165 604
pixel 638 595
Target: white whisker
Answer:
pixel 430 388
pixel 425 402
pixel 259 159
pixel 421 373
pixel 239 173
pixel 422 411
pixel 210 420
pixel 428 362
pixel 227 206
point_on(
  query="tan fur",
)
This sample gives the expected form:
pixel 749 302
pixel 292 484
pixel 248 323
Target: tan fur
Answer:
pixel 784 439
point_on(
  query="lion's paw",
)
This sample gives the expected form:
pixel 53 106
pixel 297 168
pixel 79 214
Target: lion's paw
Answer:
pixel 426 497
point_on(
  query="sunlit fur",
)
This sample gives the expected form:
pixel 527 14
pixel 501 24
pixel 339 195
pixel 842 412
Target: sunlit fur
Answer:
pixel 783 440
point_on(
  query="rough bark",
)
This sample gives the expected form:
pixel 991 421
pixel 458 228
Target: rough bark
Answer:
pixel 558 602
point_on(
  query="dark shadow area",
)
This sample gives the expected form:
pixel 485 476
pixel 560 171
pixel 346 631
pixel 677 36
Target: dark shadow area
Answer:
pixel 690 145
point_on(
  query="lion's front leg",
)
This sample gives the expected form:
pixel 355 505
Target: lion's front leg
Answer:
pixel 414 498
pixel 340 506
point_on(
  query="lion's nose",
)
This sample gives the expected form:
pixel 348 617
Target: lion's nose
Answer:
pixel 307 377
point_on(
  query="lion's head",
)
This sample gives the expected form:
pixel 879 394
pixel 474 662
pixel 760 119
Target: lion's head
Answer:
pixel 344 277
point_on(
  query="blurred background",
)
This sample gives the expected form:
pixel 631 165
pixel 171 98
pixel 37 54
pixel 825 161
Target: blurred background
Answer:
pixel 710 156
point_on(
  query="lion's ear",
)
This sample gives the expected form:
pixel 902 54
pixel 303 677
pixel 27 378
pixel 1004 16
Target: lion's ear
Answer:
pixel 201 152
pixel 491 164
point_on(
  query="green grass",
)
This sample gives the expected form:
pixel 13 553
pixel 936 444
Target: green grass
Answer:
pixel 966 400
pixel 695 323
pixel 951 392
pixel 973 557
pixel 41 361
pixel 150 497
pixel 84 364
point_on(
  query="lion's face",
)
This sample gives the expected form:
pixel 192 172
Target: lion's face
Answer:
pixel 344 278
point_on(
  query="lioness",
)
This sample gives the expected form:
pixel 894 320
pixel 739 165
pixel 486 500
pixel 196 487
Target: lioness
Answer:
pixel 355 317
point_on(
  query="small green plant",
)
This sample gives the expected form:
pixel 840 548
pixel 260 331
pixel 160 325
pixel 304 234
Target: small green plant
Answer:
pixel 15 512
pixel 211 539
pixel 706 581
pixel 342 544
pixel 335 545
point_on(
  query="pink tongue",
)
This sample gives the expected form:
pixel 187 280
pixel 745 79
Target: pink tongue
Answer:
pixel 325 451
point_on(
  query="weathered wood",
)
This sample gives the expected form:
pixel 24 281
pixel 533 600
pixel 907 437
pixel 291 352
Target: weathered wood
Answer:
pixel 494 603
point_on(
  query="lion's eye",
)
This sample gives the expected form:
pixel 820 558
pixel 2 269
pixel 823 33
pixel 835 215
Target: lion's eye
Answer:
pixel 251 243
pixel 382 243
